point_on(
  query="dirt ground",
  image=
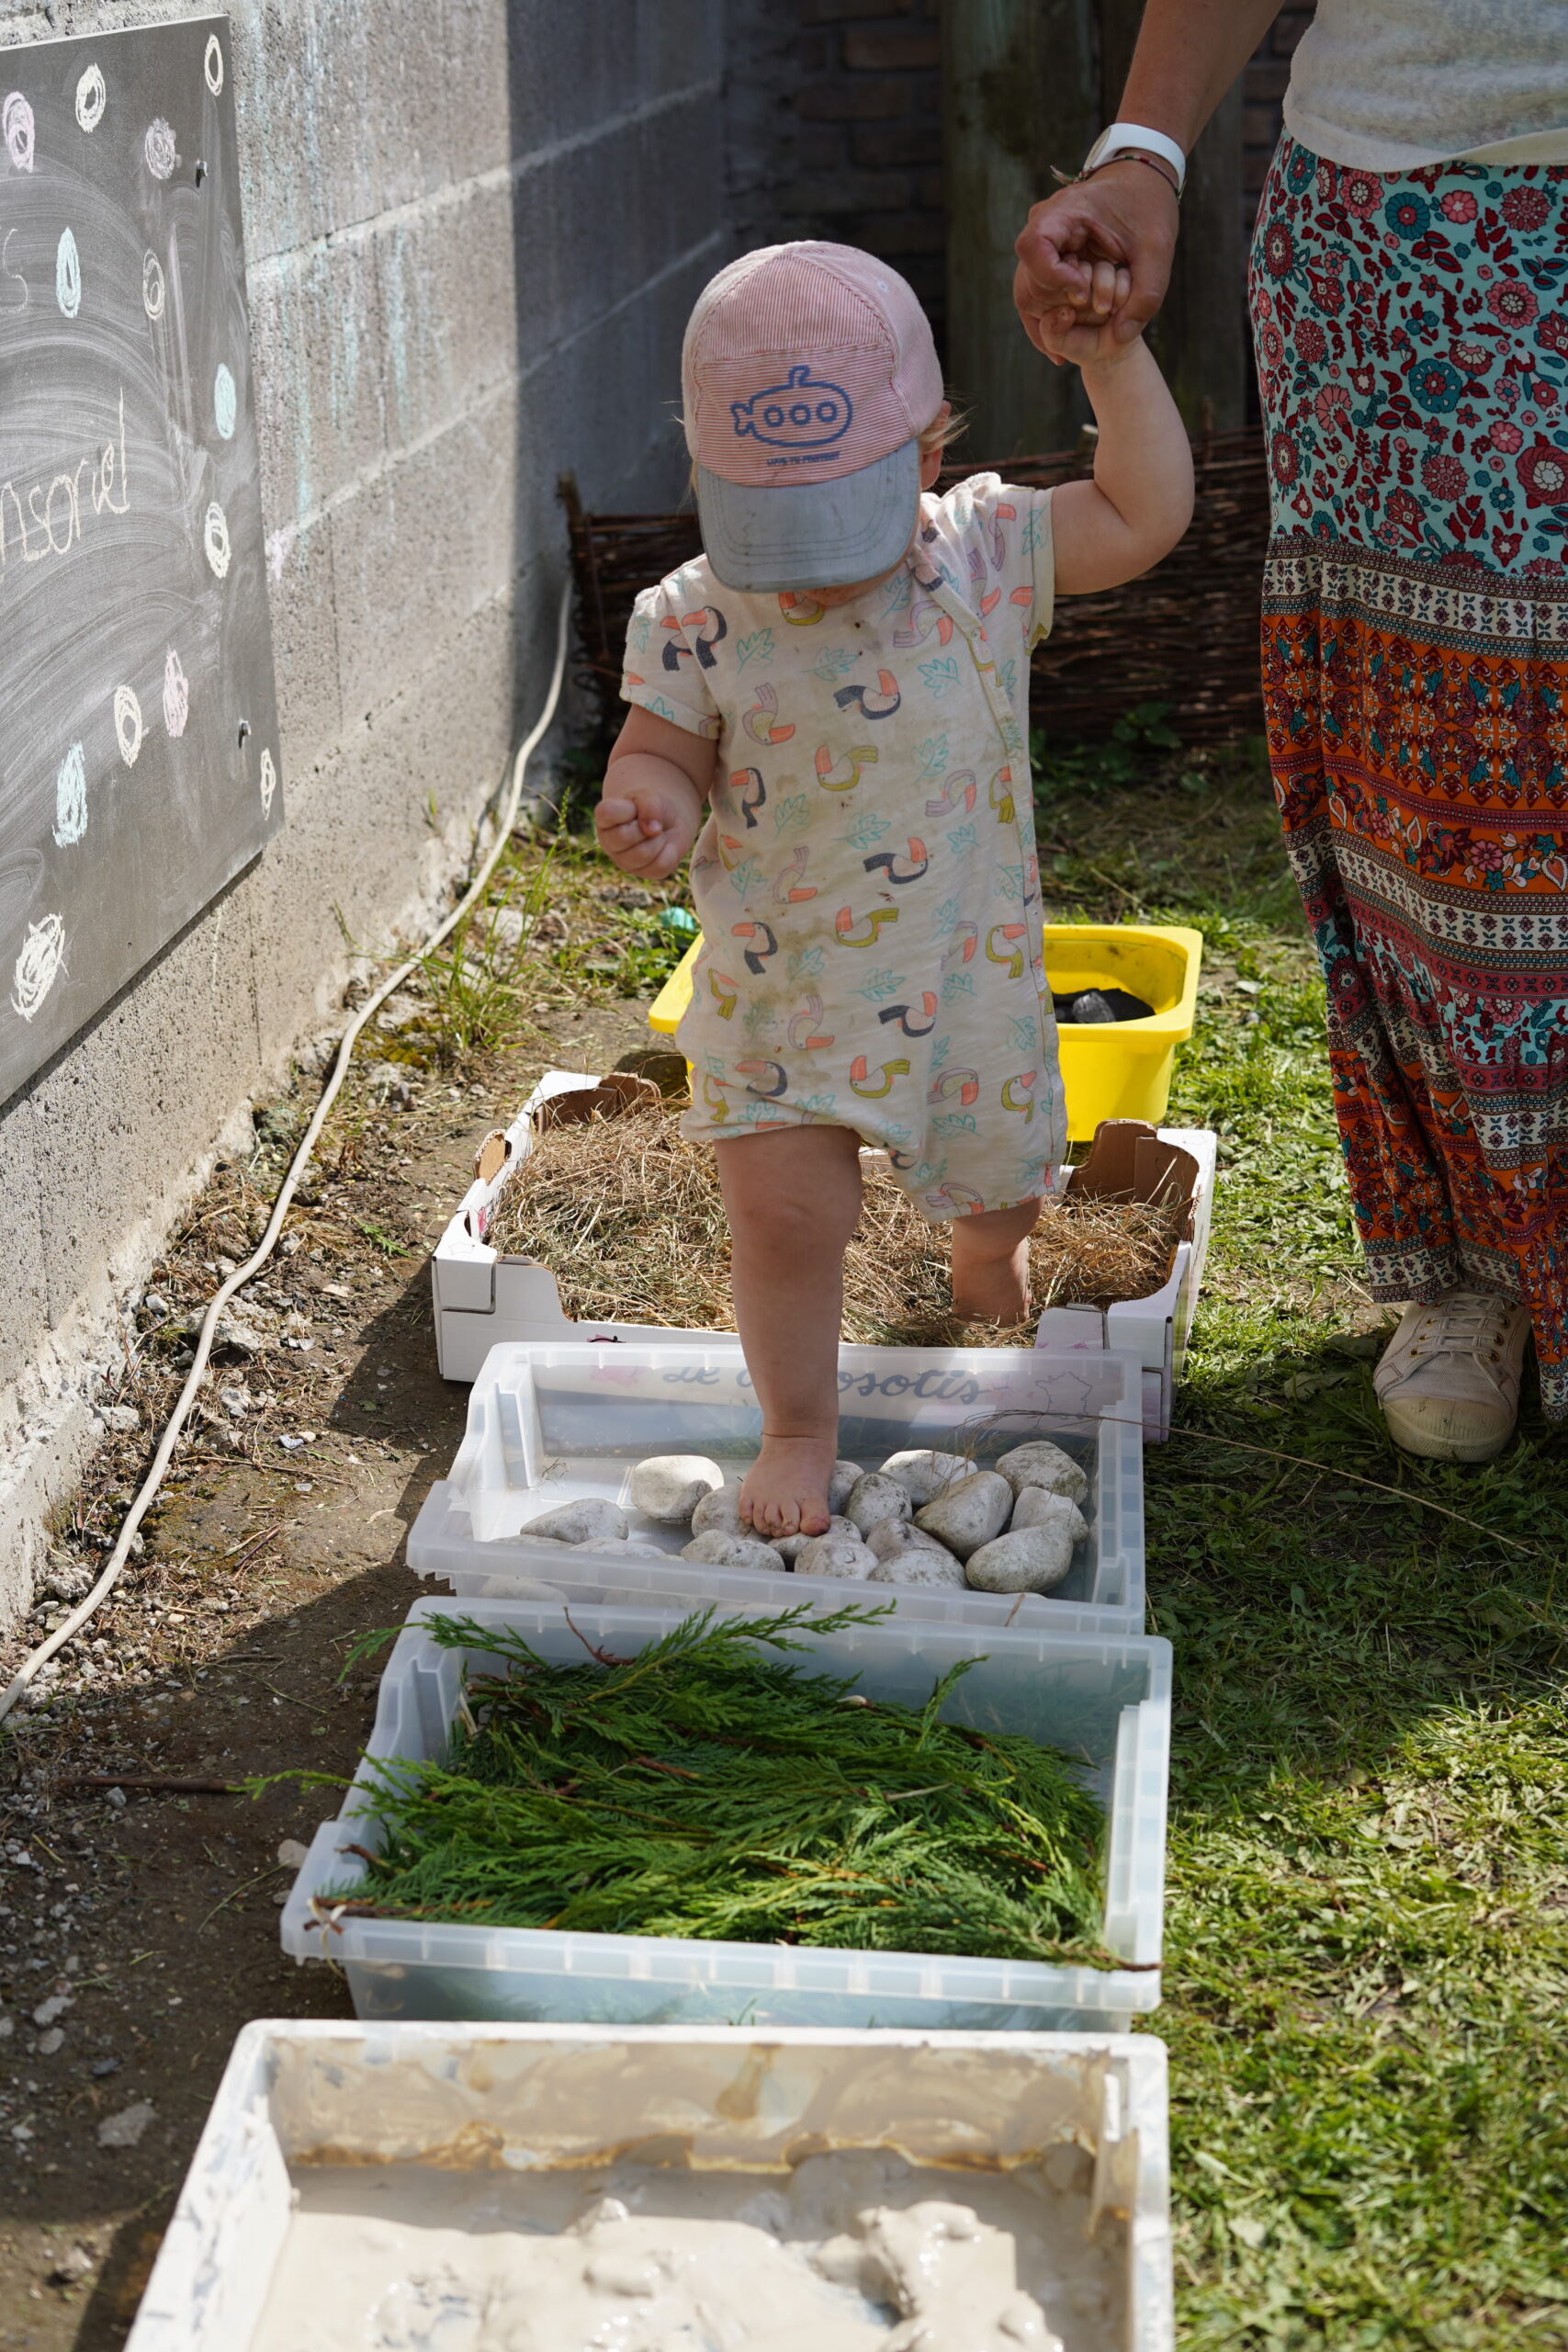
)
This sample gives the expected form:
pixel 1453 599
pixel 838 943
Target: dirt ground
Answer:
pixel 138 1930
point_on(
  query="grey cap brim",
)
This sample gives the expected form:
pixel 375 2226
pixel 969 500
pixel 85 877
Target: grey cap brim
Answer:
pixel 804 533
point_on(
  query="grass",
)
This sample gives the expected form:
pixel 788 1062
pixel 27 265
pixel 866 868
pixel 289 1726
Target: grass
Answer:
pixel 1367 1948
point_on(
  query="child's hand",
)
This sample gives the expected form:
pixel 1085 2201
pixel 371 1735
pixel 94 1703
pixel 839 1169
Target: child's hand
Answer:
pixel 1087 336
pixel 645 825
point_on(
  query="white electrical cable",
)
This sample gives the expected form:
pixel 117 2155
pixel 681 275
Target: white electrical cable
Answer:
pixel 263 1250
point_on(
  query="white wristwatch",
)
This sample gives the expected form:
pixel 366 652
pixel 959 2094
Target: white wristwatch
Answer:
pixel 1134 134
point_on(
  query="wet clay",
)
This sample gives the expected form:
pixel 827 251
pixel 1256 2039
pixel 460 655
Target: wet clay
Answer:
pixel 854 2252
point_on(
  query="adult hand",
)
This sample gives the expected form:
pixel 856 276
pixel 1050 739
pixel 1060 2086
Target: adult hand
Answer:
pixel 1127 214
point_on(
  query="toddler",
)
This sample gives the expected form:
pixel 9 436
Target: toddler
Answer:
pixel 839 686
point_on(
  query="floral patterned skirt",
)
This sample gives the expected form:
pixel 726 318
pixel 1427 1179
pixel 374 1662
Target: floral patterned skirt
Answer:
pixel 1411 334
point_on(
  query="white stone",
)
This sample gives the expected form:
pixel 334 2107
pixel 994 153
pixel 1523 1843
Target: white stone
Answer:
pixel 790 1547
pixel 843 1477
pixel 669 1487
pixel 874 1497
pixel 720 1509
pixel 1027 1559
pixel 717 1549
pixel 891 1538
pixel 837 1555
pixel 926 1473
pixel 47 2043
pixel 1038 1507
pixel 919 1563
pixel 1041 1463
pixel 970 1513
pixel 590 1519
pixel 124 2130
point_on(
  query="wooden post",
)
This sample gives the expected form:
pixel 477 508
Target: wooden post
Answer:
pixel 1020 91
pixel 1200 337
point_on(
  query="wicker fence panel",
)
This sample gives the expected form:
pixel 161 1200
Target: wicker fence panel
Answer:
pixel 1185 635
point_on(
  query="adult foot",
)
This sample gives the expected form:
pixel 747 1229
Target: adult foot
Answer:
pixel 785 1490
pixel 1449 1381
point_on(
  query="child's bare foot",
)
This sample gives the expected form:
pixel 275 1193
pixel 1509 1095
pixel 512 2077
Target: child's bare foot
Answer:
pixel 785 1490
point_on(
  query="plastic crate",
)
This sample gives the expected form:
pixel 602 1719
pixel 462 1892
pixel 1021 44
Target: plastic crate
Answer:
pixel 549 1424
pixel 1105 1701
pixel 515 2101
pixel 480 1298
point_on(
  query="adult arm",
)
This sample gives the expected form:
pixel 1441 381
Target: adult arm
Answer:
pixel 1189 54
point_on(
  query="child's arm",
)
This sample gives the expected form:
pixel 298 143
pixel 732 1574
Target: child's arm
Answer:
pixel 1140 501
pixel 655 791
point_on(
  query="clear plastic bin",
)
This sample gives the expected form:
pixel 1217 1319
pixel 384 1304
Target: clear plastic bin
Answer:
pixel 521 2099
pixel 553 1421
pixel 1107 1702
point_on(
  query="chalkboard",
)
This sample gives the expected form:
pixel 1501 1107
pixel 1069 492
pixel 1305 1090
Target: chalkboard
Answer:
pixel 139 755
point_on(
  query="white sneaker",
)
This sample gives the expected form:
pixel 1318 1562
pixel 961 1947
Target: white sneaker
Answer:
pixel 1449 1381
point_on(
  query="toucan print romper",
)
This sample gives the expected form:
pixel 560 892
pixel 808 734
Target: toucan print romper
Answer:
pixel 866 881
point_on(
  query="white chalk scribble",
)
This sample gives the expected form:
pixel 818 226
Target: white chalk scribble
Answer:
pixel 177 694
pixel 67 274
pixel 70 797
pixel 92 98
pixel 38 966
pixel 158 149
pixel 225 402
pixel 17 129
pixel 212 64
pixel 128 724
pixel 215 538
pixel 268 780
pixel 152 286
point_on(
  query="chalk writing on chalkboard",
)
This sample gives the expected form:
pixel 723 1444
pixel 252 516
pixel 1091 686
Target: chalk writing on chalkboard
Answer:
pixel 138 756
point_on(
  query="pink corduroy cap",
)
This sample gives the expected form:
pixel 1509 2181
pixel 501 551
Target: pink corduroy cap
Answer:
pixel 808 373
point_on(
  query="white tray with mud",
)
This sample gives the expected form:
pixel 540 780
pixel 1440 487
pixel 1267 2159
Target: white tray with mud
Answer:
pixel 554 1423
pixel 481 1297
pixel 1104 1702
pixel 517 2188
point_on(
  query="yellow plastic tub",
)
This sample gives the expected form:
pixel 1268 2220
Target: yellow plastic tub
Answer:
pixel 1115 1070
pixel 1122 1069
pixel 670 1004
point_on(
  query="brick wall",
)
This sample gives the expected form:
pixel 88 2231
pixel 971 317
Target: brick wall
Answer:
pixel 1262 92
pixel 834 126
pixel 857 111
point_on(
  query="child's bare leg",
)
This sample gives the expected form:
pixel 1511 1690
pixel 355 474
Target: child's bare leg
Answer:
pixel 990 1263
pixel 793 1198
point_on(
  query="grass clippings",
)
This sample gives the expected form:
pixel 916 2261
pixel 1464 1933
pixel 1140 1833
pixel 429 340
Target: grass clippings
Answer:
pixel 628 1215
pixel 704 1789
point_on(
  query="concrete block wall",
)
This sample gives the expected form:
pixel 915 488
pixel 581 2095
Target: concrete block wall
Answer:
pixel 474 229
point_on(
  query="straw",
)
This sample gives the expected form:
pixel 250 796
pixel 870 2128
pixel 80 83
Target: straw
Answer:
pixel 629 1217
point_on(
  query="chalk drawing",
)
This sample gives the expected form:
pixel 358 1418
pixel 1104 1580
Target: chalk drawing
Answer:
pixel 17 129
pixel 225 402
pixel 268 782
pixel 92 98
pixel 67 274
pixel 38 965
pixel 215 538
pixel 6 271
pixel 128 724
pixel 158 149
pixel 70 797
pixel 177 694
pixel 212 64
pixel 152 288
